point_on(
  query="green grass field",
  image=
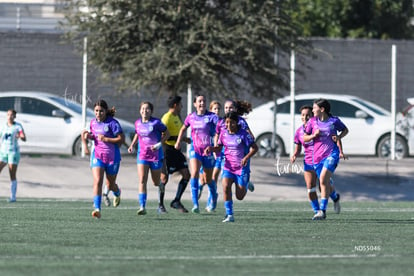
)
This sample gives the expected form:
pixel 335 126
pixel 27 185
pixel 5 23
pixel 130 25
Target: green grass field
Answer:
pixel 53 237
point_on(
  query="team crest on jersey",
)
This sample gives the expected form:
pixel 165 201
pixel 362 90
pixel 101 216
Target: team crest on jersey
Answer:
pixel 151 128
pixel 239 140
pixel 106 128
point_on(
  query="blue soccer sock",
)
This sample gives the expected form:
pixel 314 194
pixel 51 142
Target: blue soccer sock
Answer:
pixel 333 195
pixel 97 202
pixel 315 205
pixel 194 191
pixel 13 189
pixel 118 193
pixel 212 197
pixel 142 199
pixel 228 205
pixel 324 204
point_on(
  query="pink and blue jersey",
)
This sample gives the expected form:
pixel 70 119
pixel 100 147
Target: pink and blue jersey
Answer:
pixel 203 129
pixel 8 136
pixel 108 153
pixel 307 146
pixel 236 146
pixel 149 134
pixel 323 144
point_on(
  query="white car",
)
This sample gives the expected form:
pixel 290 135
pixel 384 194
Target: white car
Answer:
pixel 52 124
pixel 369 126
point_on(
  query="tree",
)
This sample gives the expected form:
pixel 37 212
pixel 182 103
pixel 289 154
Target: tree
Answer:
pixel 219 47
pixel 381 19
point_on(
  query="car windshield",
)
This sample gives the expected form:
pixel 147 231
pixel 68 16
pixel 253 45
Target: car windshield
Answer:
pixel 73 105
pixel 374 108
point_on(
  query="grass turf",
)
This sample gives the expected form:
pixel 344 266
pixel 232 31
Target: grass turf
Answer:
pixel 53 237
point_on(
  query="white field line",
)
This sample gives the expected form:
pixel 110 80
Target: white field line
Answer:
pixel 185 258
pixel 44 205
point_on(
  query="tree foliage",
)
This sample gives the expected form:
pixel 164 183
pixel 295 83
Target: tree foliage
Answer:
pixel 219 47
pixel 380 19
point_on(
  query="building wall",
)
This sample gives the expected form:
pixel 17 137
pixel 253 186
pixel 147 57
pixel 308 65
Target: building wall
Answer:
pixel 40 61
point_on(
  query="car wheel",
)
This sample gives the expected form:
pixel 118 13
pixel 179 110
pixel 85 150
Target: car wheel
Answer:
pixel 384 147
pixel 264 143
pixel 77 147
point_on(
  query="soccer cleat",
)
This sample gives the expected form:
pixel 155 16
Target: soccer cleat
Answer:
pixel 228 218
pixel 106 200
pixel 117 199
pixel 11 200
pixel 337 205
pixel 320 215
pixel 250 186
pixel 209 209
pixel 96 213
pixel 177 205
pixel 195 210
pixel 161 209
pixel 141 211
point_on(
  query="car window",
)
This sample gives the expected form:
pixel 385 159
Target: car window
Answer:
pixel 73 106
pixel 342 109
pixel 6 103
pixel 36 107
pixel 285 107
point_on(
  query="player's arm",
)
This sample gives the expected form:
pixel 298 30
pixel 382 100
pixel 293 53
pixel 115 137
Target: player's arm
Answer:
pixel 298 149
pixel 133 143
pixel 180 137
pixel 252 151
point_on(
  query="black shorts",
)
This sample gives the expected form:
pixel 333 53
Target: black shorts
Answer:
pixel 175 160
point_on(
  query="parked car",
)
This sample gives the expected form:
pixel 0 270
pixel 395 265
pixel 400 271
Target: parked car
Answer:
pixel 52 124
pixel 369 126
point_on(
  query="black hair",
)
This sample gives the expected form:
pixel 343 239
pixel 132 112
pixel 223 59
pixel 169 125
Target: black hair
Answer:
pixel 305 107
pixel 104 105
pixel 172 100
pixel 325 104
pixel 233 116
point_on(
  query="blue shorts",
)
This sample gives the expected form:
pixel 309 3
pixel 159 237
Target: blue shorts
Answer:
pixel 307 167
pixel 154 165
pixel 219 162
pixel 110 169
pixel 241 180
pixel 10 157
pixel 206 161
pixel 330 163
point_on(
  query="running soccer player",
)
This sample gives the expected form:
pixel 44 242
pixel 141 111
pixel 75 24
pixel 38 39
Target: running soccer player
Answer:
pixel 214 107
pixel 323 129
pixel 175 160
pixel 10 133
pixel 106 132
pixel 151 133
pixel 309 171
pixel 239 147
pixel 203 124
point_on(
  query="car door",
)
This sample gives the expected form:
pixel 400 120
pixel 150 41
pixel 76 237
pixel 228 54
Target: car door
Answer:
pixel 362 136
pixel 45 133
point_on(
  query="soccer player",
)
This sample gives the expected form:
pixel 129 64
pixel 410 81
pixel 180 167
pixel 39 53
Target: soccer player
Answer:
pixel 106 132
pixel 174 160
pixel 203 124
pixel 151 133
pixel 323 129
pixel 309 171
pixel 241 108
pixel 239 147
pixel 10 133
pixel 214 107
